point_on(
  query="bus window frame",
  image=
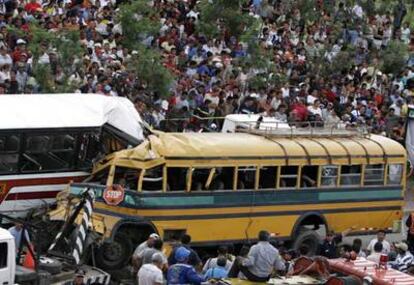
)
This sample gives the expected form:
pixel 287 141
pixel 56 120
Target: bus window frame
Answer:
pixel 337 177
pixel 367 166
pixel 262 166
pixel 403 174
pixel 289 176
pixel 340 175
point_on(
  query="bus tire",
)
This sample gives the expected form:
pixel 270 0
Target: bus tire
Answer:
pixel 308 238
pixel 114 254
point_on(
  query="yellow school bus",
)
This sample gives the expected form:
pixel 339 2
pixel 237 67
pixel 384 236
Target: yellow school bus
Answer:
pixel 225 188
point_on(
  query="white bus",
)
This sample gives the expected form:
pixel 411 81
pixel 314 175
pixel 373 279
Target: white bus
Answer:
pixel 47 141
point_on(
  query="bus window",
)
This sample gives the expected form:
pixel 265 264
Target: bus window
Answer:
pixel 288 176
pixel 202 177
pixel 89 150
pixel 267 178
pixel 329 175
pixel 176 178
pixel 9 153
pixel 309 176
pixel 127 177
pixel 350 175
pixel 152 180
pixel 374 175
pixel 224 179
pixel 395 172
pixel 246 177
pixel 48 152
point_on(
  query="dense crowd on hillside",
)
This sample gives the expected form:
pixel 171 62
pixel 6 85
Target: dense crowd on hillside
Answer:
pixel 209 80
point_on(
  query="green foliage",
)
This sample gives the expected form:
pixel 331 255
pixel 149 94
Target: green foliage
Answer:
pixel 218 16
pixel 147 65
pixel 138 20
pixel 394 57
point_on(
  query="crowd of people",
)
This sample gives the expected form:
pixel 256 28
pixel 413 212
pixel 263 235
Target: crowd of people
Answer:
pixel 209 77
pixel 263 260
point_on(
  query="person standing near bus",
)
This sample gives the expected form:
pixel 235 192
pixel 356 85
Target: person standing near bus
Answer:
pixel 386 247
pixel 410 232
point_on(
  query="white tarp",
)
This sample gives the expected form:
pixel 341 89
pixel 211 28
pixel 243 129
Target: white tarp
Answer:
pixel 69 111
pixel 249 121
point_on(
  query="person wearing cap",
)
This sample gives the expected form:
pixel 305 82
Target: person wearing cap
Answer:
pixel 404 258
pixel 149 243
pixel 146 255
pixel 182 272
pixel 151 273
pixel 79 277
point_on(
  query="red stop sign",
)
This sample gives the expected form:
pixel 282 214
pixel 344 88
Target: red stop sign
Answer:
pixel 113 195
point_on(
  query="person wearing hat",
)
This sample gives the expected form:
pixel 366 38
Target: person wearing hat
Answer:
pixel 151 273
pixel 149 243
pixel 79 277
pixel 404 258
pixel 182 272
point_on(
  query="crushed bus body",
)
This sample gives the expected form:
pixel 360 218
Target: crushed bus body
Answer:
pixel 40 152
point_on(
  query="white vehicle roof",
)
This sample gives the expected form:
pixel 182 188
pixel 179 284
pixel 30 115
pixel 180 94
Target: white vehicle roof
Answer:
pixel 37 111
pixel 249 120
pixel 5 235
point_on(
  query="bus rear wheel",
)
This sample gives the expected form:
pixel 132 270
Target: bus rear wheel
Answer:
pixel 115 254
pixel 308 238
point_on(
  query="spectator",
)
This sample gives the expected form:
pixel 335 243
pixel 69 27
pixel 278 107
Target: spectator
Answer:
pixel 260 262
pixel 404 258
pixel 19 239
pixel 376 254
pixel 150 273
pixel 386 247
pixel 193 259
pixel 181 272
pixel 149 243
pixel 212 262
pixel 219 270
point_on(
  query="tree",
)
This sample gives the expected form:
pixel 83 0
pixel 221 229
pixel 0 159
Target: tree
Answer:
pixel 220 16
pixel 68 50
pixel 139 22
pixel 394 57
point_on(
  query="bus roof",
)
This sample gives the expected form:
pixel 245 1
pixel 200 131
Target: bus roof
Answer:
pixel 37 111
pixel 214 148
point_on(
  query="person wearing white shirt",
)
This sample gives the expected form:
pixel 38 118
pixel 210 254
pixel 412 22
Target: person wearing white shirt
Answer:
pixel 357 11
pixel 150 273
pixel 386 247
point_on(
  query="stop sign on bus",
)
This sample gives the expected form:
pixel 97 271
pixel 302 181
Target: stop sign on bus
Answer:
pixel 113 195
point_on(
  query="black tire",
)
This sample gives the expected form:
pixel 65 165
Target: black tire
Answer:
pixel 116 254
pixel 308 238
pixel 50 265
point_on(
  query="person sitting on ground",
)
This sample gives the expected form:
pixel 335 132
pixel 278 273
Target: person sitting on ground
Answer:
pixel 404 258
pixel 182 272
pixel 151 273
pixel 262 260
pixel 357 248
pixel 194 259
pixel 212 262
pixel 386 247
pixel 376 254
pixel 219 270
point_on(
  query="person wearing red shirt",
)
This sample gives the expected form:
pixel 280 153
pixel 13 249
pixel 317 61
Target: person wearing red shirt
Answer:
pixel 32 7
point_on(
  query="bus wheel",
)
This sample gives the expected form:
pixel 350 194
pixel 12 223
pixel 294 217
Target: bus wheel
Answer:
pixel 114 255
pixel 310 239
